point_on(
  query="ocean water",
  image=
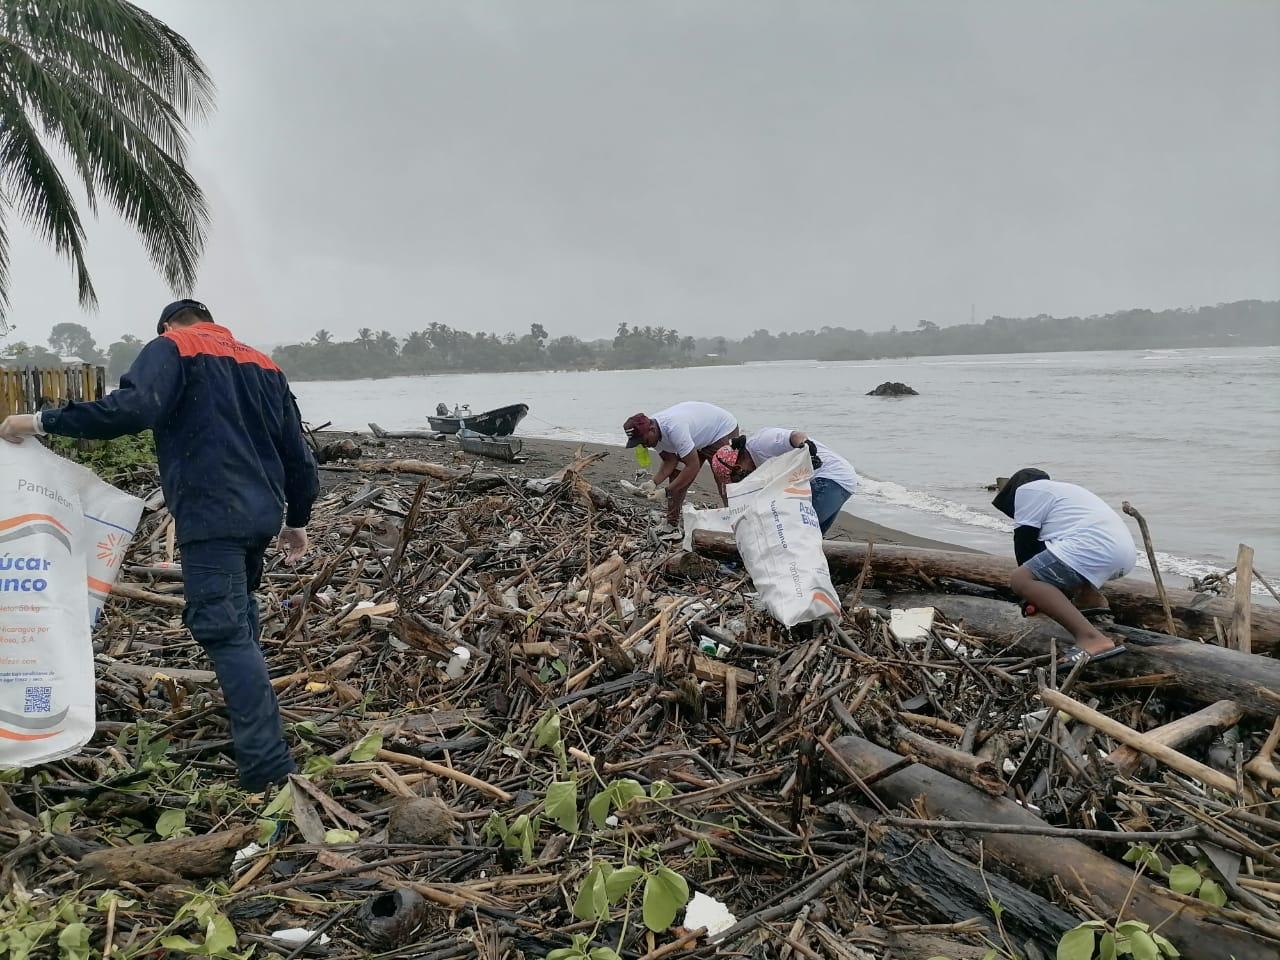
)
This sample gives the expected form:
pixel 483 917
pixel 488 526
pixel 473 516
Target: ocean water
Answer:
pixel 1190 437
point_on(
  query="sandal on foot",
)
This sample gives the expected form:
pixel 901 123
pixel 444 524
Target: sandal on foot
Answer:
pixel 1074 654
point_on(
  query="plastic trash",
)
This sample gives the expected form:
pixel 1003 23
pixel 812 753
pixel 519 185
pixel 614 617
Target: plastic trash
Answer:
pixel 245 854
pixel 715 521
pixel 299 935
pixel 913 624
pixel 457 664
pixel 708 912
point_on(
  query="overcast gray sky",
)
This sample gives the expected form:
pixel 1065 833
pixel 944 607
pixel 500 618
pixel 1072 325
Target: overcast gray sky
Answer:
pixel 715 166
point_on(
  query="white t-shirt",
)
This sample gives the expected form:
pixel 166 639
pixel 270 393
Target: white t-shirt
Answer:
pixel 775 441
pixel 1078 528
pixel 691 426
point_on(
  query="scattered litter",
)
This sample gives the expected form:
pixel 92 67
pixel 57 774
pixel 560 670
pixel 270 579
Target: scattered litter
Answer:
pixel 246 853
pixel 482 680
pixel 299 935
pixel 704 911
pixel 457 665
pixel 912 624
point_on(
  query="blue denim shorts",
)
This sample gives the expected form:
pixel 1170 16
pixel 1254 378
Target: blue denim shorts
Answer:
pixel 1047 568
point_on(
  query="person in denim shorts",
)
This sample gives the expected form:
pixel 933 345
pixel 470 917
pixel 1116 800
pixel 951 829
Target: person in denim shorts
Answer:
pixel 1068 543
pixel 834 479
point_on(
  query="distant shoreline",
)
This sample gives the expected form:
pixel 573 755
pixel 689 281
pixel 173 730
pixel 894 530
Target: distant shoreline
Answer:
pixel 730 362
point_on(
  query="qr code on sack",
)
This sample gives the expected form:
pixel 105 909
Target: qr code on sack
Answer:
pixel 39 700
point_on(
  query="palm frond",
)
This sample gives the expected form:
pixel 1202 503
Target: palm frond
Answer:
pixel 4 267
pixel 141 43
pixel 113 87
pixel 34 187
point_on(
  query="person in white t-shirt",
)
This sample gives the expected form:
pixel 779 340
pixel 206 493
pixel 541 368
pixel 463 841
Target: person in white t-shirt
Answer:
pixel 685 436
pixel 1068 543
pixel 834 479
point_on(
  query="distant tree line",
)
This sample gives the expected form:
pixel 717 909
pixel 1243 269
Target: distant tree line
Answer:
pixel 69 341
pixel 1245 323
pixel 441 349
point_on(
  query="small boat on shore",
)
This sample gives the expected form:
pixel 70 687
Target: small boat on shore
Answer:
pixel 495 448
pixel 501 422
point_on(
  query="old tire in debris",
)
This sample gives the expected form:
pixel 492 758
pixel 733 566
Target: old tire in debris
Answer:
pixel 392 919
pixel 892 388
pixel 420 820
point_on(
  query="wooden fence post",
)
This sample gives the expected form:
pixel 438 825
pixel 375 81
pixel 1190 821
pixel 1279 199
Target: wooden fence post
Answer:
pixel 28 389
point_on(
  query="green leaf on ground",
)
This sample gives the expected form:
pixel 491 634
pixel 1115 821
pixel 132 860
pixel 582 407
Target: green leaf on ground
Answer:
pixel 1076 944
pixel 619 883
pixel 665 892
pixel 593 901
pixel 1184 879
pixel 367 748
pixel 170 822
pixel 561 804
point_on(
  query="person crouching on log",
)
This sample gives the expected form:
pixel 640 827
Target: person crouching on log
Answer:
pixel 834 479
pixel 686 436
pixel 1068 543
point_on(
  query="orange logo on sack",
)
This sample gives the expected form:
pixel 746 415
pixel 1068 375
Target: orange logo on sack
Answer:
pixel 111 549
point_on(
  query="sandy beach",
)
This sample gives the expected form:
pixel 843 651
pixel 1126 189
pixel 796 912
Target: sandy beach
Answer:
pixel 545 457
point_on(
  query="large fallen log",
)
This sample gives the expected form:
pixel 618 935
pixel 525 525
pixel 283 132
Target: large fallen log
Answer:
pixel 169 861
pixel 956 890
pixel 1133 601
pixel 1196 930
pixel 1199 671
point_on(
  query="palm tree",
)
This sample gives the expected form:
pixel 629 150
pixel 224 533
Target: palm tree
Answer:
pixel 386 342
pixel 416 344
pixel 111 88
pixel 322 338
pixel 364 337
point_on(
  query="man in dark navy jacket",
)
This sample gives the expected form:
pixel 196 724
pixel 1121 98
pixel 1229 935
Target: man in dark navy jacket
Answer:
pixel 233 463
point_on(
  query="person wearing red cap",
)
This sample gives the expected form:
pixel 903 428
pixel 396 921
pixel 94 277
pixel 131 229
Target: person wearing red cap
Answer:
pixel 834 479
pixel 686 436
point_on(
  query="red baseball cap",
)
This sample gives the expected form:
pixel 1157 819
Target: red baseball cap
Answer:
pixel 635 427
pixel 724 463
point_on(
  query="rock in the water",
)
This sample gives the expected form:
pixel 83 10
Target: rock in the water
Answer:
pixel 420 820
pixel 892 388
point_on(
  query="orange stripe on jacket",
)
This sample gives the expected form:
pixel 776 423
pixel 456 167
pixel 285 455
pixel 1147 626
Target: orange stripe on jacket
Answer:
pixel 27 517
pixel 211 340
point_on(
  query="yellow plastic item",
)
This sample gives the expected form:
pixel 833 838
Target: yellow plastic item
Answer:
pixel 642 456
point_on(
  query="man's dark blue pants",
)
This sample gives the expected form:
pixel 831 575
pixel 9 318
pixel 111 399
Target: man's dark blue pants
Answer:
pixel 222 614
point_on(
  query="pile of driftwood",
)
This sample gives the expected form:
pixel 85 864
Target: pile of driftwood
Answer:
pixel 525 723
